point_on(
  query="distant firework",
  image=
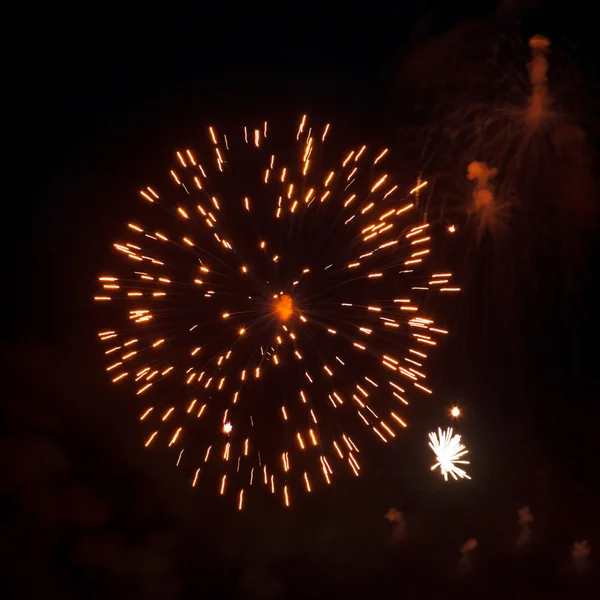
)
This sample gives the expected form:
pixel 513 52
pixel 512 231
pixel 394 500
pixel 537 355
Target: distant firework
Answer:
pixel 448 450
pixel 508 143
pixel 455 412
pixel 271 310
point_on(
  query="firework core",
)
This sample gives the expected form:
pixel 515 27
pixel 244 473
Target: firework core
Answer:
pixel 283 307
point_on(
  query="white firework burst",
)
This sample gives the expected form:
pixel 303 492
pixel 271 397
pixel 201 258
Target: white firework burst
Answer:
pixel 448 451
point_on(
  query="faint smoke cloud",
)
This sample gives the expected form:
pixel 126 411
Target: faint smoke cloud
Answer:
pixel 525 519
pixel 580 553
pixel 396 518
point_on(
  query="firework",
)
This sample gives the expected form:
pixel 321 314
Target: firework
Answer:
pixel 448 451
pixel 509 143
pixel 455 412
pixel 272 309
pixel 501 134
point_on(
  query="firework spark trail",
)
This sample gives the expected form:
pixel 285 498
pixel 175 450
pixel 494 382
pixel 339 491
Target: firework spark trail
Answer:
pixel 538 75
pixel 263 327
pixel 448 450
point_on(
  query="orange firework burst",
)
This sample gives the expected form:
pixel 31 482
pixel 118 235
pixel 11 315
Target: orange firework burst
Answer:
pixel 284 307
pixel 271 310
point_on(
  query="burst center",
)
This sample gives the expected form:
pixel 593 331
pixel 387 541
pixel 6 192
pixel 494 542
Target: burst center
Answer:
pixel 283 307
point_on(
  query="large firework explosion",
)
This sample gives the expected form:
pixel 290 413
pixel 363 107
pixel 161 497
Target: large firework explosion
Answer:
pixel 271 309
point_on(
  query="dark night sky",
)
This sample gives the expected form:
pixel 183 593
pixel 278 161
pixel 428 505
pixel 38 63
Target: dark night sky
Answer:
pixel 105 94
